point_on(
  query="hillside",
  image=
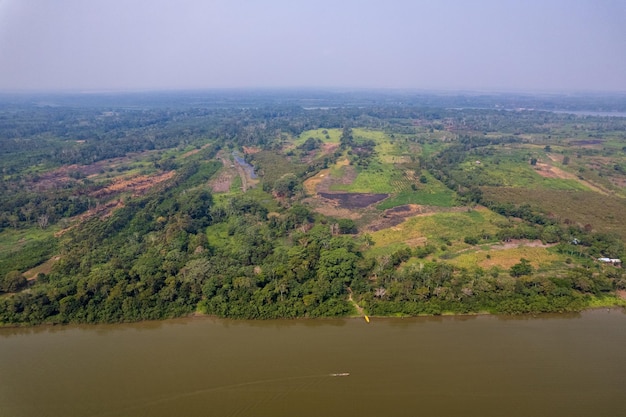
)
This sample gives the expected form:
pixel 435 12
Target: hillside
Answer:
pixel 118 213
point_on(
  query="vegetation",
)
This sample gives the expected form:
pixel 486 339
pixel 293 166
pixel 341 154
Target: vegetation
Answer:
pixel 244 208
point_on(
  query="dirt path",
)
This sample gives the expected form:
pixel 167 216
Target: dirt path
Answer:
pixel 358 308
pixel 244 178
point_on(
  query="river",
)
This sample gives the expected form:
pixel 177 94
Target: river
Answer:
pixel 567 365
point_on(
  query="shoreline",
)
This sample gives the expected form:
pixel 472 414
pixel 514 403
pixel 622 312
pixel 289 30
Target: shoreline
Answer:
pixel 199 315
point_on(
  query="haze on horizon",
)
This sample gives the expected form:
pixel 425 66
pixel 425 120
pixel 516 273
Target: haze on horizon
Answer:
pixel 490 45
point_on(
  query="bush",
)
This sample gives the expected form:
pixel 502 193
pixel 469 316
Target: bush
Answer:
pixel 522 268
pixel 13 281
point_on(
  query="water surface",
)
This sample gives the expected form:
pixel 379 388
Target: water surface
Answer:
pixel 554 366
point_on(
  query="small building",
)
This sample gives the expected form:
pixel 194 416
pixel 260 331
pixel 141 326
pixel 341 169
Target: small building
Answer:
pixel 612 261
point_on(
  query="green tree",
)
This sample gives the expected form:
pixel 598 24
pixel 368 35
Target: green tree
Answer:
pixel 337 266
pixel 286 185
pixel 346 226
pixel 522 268
pixel 13 281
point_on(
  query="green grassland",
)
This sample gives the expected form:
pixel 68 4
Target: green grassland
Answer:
pixel 540 258
pixel 393 172
pixel 23 249
pixel 376 178
pixel 331 136
pixel 603 213
pixel 512 168
pixel 272 166
pixel 447 228
pixel 431 193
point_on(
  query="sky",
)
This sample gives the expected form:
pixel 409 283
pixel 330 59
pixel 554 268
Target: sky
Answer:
pixel 449 45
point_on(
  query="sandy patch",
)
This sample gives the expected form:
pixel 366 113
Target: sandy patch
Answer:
pixel 516 243
pixel 550 171
pixel 331 210
pixel 311 184
pixel 251 150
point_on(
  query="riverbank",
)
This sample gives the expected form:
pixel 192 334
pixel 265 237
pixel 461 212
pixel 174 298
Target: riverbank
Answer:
pixel 616 302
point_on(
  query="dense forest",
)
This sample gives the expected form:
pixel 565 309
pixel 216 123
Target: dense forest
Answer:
pixel 308 204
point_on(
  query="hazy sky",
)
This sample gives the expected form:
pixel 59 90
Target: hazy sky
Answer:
pixel 549 45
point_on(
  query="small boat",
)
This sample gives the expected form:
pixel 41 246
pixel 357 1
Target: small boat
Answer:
pixel 367 319
pixel 341 374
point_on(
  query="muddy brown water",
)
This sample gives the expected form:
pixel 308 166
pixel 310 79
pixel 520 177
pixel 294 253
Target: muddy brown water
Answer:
pixel 568 365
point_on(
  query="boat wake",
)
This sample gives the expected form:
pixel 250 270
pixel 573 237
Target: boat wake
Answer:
pixel 183 395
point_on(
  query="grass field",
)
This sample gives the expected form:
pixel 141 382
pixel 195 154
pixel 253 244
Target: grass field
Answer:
pixel 383 174
pixel 376 178
pixel 505 258
pixel 272 166
pixel 603 213
pixel 12 239
pixel 432 193
pixel 451 226
pixel 514 170
pixel 333 136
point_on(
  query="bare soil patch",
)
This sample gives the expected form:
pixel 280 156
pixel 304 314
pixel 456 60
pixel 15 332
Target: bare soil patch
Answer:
pixel 311 184
pixel 324 180
pixel 348 176
pixel 618 182
pixel 222 183
pixel 332 210
pixel 191 152
pixel 251 150
pixel 328 148
pixel 44 268
pixel 137 185
pixel 555 158
pixel 516 243
pixel 354 200
pixel 550 171
pixel 61 175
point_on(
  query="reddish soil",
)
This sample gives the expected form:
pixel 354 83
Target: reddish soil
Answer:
pixel 354 200
pixel 328 148
pixel 619 182
pixel 138 185
pixel 60 176
pixel 195 151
